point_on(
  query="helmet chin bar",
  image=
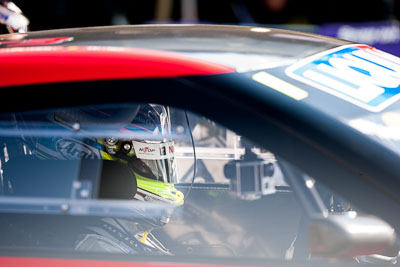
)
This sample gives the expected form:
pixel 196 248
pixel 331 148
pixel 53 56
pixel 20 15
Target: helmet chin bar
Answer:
pixel 160 219
pixel 144 195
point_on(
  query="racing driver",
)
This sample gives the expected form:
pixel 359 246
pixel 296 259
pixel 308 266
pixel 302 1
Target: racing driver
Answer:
pixel 152 168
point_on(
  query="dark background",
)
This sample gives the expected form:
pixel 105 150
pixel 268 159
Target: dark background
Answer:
pixel 52 14
pixel 371 22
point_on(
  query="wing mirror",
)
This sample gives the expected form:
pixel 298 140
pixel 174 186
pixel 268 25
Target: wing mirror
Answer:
pixel 349 235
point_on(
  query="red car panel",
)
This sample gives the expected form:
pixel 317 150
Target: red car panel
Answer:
pixel 31 65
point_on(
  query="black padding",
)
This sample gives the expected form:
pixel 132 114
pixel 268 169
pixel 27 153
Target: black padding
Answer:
pixel 117 181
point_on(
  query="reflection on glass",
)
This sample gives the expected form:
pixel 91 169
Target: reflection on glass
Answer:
pixel 128 180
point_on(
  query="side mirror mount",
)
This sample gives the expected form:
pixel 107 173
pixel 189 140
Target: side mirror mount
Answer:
pixel 349 235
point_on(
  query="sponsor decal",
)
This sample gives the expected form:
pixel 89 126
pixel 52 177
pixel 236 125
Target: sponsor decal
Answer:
pixel 359 74
pixel 280 85
pixel 163 151
pixel 146 150
pixel 73 149
pixel 153 150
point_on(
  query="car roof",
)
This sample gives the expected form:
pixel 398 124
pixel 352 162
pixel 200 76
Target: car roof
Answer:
pixel 197 49
pixel 198 38
pixel 242 47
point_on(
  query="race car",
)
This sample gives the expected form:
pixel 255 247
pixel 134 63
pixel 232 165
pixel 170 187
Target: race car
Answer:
pixel 198 145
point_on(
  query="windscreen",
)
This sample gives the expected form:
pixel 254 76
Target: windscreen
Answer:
pixel 147 179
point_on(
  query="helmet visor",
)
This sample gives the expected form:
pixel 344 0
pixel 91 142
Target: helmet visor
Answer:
pixel 155 161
